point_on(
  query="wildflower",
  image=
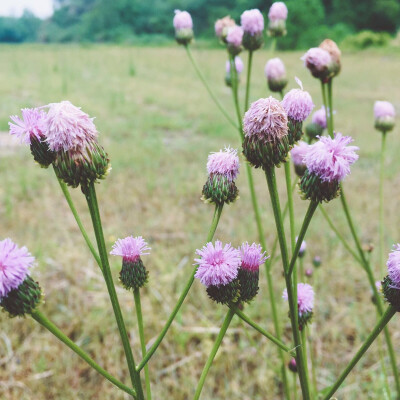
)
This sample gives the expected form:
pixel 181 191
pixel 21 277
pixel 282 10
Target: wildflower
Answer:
pixel 303 248
pixel 292 365
pixel 234 40
pixel 305 303
pixel 332 48
pixel 308 272
pixel 328 163
pixel 19 293
pixel 252 22
pixel 384 113
pixel 317 261
pixel 218 268
pixel 239 68
pixel 133 274
pixel 183 25
pixel 222 25
pixel 223 168
pixel 297 154
pixel 320 63
pixel 277 16
pixel 275 73
pixel 265 125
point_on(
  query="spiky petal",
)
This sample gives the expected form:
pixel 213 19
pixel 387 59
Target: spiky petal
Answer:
pixel 130 248
pixel 32 125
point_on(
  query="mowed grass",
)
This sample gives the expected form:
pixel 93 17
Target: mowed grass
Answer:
pixel 158 126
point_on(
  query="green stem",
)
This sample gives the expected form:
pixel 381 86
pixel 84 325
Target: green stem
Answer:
pixel 213 353
pixel 330 107
pixel 271 181
pixel 389 313
pixel 263 332
pixel 307 219
pixel 153 348
pixel 381 206
pixel 288 179
pixel 210 92
pixel 294 386
pixel 273 46
pixel 304 344
pixel 90 193
pixel 68 197
pixel 313 369
pixel 249 65
pixel 46 323
pixel 138 306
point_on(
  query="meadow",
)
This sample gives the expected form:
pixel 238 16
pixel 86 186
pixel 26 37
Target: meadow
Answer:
pixel 158 125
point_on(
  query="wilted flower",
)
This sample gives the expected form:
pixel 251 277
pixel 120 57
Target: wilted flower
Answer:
pixel 275 73
pixel 384 113
pixel 252 22
pixel 183 25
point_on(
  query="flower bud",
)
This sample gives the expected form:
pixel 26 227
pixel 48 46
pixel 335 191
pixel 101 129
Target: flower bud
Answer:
pixel 234 40
pixel 297 154
pixel 277 16
pixel 183 25
pixel 308 272
pixel 384 113
pixel 275 73
pixel 252 22
pixel 331 47
pixel 292 365
pixel 222 26
pixel 320 64
pixel 317 261
pixel 313 130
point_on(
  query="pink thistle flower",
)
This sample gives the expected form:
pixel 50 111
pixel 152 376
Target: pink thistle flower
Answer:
pixel 298 152
pixel 319 117
pixel 384 109
pixel 15 263
pixel 32 124
pixel 393 266
pixel 182 20
pixel 238 64
pixel 298 103
pixel 69 128
pixel 235 36
pixel 330 159
pixel 278 11
pixel 224 162
pixel 130 248
pixel 218 265
pixel 252 22
pixel 305 298
pixel 252 256
pixel 221 25
pixel 266 119
pixel 303 246
pixel 275 69
pixel 317 59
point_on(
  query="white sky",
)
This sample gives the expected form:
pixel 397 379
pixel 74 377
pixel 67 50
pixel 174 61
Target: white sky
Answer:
pixel 15 8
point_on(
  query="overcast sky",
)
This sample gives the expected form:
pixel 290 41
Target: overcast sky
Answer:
pixel 15 8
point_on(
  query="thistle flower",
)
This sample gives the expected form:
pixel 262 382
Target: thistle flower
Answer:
pixel 222 25
pixel 275 73
pixel 328 162
pixel 252 22
pixel 297 154
pixel 223 168
pixel 265 125
pixel 391 283
pixel 183 25
pixel 252 257
pixel 308 272
pixel 19 294
pixel 319 117
pixel 234 40
pixel 31 129
pixel 305 302
pixel 292 365
pixel 133 274
pixel 320 63
pixel 332 48
pixel 317 261
pixel 72 134
pixel 277 19
pixel 384 113
pixel 239 68
pixel 303 247
pixel 218 269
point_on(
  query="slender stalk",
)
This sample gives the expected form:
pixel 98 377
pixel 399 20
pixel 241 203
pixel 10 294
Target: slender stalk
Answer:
pixel 213 353
pixel 153 348
pixel 304 344
pixel 288 179
pixel 263 332
pixel 313 369
pixel 307 219
pixel 138 306
pixel 389 313
pixel 381 206
pixel 294 386
pixel 247 95
pixel 330 106
pixel 210 92
pixel 273 46
pixel 68 197
pixel 271 181
pixel 46 323
pixel 90 193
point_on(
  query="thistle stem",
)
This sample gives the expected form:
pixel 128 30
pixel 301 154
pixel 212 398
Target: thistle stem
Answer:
pixel 386 317
pixel 210 92
pixel 330 107
pixel 381 206
pixel 218 341
pixel 247 95
pixel 46 323
pixel 138 307
pixel 153 348
pixel 91 198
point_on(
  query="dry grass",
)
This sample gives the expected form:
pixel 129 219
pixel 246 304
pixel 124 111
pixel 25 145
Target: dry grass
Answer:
pixel 158 126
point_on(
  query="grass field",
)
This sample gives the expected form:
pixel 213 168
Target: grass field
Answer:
pixel 158 126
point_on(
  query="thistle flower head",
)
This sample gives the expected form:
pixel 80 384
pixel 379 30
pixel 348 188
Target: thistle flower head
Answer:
pixel 305 298
pixel 298 152
pixel 182 20
pixel 68 127
pixel 384 109
pixel 332 48
pixel 330 159
pixel 275 69
pixel 252 256
pixel 303 247
pixel 266 119
pixel 235 36
pixel 252 22
pixel 319 117
pixel 130 248
pixel 15 263
pixel 222 25
pixel 218 264
pixel 317 58
pixel 32 125
pixel 238 64
pixel 393 266
pixel 278 11
pixel 224 162
pixel 298 103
